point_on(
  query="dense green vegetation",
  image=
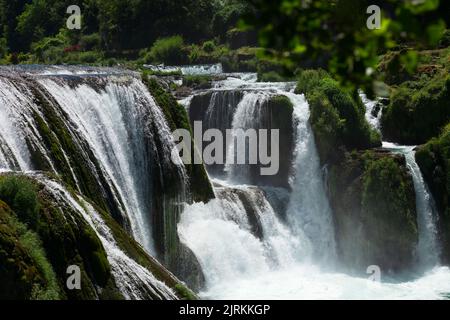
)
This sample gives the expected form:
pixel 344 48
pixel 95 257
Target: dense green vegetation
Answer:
pixel 34 31
pixel 54 242
pixel 420 106
pixel 337 117
pixel 26 273
pixel 321 33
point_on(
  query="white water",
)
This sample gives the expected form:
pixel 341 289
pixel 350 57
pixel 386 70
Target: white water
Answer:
pixel 428 250
pixel 14 125
pixel 246 116
pixel 114 119
pixel 133 280
pixel 107 123
pixel 373 120
pixel 239 265
pixel 308 209
pixel 202 69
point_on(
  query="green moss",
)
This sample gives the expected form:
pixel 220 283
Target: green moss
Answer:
pixel 19 193
pixel 386 195
pixel 71 241
pixel 197 81
pixel 270 76
pixel 337 118
pixel 177 118
pixel 25 271
pixel 135 251
pixel 58 238
pixel 184 292
pixel 418 109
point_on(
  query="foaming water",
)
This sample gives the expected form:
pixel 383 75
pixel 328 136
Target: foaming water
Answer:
pixel 113 122
pixel 372 114
pixel 308 208
pixel 428 251
pixel 291 258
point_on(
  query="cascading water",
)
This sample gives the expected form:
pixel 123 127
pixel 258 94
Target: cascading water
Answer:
pixel 308 208
pixel 373 111
pixel 107 120
pixel 428 250
pixel 133 280
pixel 283 260
pixel 246 116
pixel 245 248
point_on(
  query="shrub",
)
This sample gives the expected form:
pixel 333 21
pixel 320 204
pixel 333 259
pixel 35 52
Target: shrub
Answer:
pixel 20 194
pixel 418 110
pixel 308 80
pixel 209 46
pixel 197 81
pixel 445 39
pixel 37 278
pixel 90 42
pixel 167 50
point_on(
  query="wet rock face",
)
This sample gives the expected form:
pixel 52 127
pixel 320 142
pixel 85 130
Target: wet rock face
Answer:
pixel 373 201
pixel 216 110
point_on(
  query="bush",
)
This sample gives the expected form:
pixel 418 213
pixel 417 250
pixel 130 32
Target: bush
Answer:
pixel 20 194
pixel 418 110
pixel 308 80
pixel 445 39
pixel 209 46
pixel 90 42
pixel 197 81
pixel 270 76
pixel 167 50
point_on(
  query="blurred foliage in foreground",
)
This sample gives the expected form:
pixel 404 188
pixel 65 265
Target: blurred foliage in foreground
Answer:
pixel 333 34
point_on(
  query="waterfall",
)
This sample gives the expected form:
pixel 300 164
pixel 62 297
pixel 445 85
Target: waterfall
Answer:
pixel 246 249
pixel 202 69
pixel 428 250
pixel 246 116
pixel 133 280
pixel 373 111
pixel 220 234
pixel 308 207
pixel 104 134
pixel 239 235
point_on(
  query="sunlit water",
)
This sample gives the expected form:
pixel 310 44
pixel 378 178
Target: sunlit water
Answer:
pixel 288 261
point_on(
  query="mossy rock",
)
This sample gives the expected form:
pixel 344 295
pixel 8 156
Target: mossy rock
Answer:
pixel 337 117
pixel 65 239
pixel 177 118
pixel 373 201
pixel 418 110
pixel 19 273
pixel 76 167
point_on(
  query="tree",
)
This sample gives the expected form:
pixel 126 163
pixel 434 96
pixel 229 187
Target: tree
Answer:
pixel 334 33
